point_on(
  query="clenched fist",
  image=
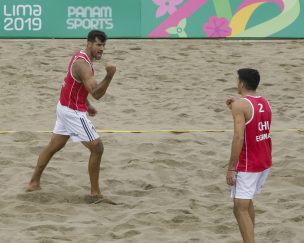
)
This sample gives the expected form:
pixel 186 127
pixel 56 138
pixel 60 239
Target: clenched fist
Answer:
pixel 111 69
pixel 229 102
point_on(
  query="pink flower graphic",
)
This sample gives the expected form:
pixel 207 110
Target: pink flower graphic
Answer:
pixel 166 6
pixel 217 27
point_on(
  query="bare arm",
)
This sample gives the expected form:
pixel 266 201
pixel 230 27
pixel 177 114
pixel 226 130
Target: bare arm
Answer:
pixel 238 136
pixel 91 109
pixel 82 71
pixel 237 110
pixel 88 103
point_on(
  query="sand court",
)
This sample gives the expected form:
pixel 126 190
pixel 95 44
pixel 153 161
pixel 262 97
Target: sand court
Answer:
pixel 168 187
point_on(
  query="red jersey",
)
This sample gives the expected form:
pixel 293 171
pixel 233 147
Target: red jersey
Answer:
pixel 73 92
pixel 256 152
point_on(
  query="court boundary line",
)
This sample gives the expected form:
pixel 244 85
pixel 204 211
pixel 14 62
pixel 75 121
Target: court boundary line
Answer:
pixel 175 131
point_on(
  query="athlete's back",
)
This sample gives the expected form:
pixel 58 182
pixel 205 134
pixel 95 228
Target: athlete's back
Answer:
pixel 256 152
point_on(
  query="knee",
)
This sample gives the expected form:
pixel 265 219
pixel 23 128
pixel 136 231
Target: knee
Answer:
pixel 54 148
pixel 239 207
pixel 97 147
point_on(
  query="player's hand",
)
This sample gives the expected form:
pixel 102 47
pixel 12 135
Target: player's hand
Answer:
pixel 229 102
pixel 111 69
pixel 230 177
pixel 91 110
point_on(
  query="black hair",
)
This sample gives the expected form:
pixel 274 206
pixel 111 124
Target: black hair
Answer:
pixel 93 34
pixel 249 77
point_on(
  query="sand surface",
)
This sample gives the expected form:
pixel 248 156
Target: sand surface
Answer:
pixel 169 187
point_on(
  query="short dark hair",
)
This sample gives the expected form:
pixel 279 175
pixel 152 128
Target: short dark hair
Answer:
pixel 93 34
pixel 250 77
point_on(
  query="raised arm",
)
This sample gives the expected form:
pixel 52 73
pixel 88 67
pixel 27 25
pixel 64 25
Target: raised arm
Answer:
pixel 83 72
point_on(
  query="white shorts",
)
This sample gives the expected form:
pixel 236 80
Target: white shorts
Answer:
pixel 247 184
pixel 74 124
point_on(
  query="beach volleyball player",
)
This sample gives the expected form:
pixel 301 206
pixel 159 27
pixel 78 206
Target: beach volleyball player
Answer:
pixel 250 158
pixel 72 109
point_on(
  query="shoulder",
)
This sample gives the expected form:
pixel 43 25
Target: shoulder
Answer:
pixel 265 100
pixel 81 63
pixel 242 108
pixel 239 104
pixel 81 69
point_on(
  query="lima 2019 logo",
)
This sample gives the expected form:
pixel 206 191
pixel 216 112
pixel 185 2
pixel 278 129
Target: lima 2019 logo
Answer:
pixel 22 17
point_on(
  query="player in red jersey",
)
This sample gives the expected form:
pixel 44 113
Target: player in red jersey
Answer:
pixel 250 158
pixel 72 121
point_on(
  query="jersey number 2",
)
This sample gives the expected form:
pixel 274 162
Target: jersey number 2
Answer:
pixel 261 108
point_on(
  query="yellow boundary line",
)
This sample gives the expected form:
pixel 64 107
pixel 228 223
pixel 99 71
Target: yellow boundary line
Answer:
pixel 164 131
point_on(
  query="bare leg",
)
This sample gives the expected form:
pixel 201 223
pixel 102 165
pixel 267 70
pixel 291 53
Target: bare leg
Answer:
pixel 57 142
pixel 243 217
pixel 251 212
pixel 96 149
